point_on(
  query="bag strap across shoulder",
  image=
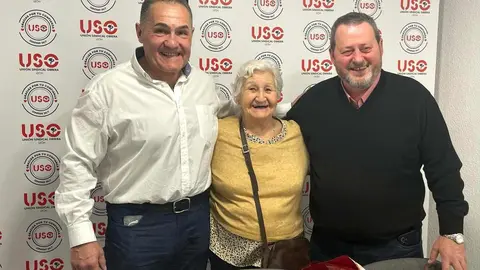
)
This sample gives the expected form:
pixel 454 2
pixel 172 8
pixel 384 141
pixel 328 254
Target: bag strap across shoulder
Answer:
pixel 253 179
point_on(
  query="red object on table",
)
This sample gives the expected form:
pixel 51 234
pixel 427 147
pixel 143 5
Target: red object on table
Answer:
pixel 339 263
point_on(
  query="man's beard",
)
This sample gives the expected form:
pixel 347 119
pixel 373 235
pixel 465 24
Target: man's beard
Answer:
pixel 360 83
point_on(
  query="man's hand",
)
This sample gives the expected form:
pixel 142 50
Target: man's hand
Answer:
pixel 452 254
pixel 88 256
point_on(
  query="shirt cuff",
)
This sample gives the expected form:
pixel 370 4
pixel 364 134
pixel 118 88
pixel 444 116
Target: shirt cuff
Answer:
pixel 81 233
pixel 450 224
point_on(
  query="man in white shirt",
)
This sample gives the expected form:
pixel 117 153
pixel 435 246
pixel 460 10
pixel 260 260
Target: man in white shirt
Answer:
pixel 145 130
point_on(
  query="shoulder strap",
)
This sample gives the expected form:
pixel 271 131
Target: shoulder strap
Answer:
pixel 253 179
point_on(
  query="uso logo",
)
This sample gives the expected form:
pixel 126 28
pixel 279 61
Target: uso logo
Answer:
pixel 223 92
pixel 267 34
pixel 271 57
pixel 413 38
pixel 373 8
pixel 316 36
pixel 99 206
pixel 306 184
pixel 39 200
pixel 98 60
pixel 37 28
pixel 98 29
pixel 412 67
pixel 44 235
pixel 38 62
pixel 98 6
pixel 318 5
pixel 317 67
pixel 40 99
pixel 216 35
pixel 41 132
pixel 41 168
pixel 215 66
pixel 267 9
pixel 415 6
pixel 45 264
pixel 100 229
pixel 307 221
pixel 215 4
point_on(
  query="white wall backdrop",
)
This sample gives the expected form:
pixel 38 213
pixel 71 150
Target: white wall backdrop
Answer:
pixel 52 48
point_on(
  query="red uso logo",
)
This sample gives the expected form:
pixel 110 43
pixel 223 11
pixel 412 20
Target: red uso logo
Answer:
pixel 271 57
pixel 267 34
pixel 215 4
pixel 306 184
pixel 215 65
pixel 44 235
pixel 38 62
pixel 216 34
pixel 100 229
pixel 39 132
pixel 97 28
pixel 98 60
pixel 40 99
pixel 316 36
pixel 409 66
pixel 41 168
pixel 316 66
pixel 373 8
pixel 318 5
pixel 45 264
pixel 99 206
pixel 37 28
pixel 223 92
pixel 267 9
pixel 39 200
pixel 413 38
pixel 415 5
pixel 307 221
pixel 98 6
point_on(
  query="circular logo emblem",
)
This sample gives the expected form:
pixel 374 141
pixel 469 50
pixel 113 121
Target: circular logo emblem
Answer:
pixel 307 221
pixel 413 38
pixel 267 9
pixel 216 35
pixel 98 6
pixel 37 28
pixel 99 207
pixel 223 92
pixel 41 168
pixel 373 8
pixel 316 36
pixel 44 235
pixel 272 58
pixel 98 60
pixel 40 98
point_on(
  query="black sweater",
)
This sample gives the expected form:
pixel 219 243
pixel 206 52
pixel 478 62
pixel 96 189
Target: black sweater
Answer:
pixel 365 164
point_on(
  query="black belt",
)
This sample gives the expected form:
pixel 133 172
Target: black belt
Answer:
pixel 176 207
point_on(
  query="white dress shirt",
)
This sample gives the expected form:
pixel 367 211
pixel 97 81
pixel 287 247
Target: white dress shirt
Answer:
pixel 142 141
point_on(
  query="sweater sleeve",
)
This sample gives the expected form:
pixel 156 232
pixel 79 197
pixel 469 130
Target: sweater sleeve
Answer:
pixel 442 169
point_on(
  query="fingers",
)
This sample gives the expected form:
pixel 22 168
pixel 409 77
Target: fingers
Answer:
pixel 433 255
pixel 446 265
pixel 463 263
pixel 102 262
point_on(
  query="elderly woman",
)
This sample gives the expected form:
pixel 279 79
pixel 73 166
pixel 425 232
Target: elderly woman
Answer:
pixel 280 163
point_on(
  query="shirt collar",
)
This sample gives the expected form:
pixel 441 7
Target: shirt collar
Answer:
pixel 140 52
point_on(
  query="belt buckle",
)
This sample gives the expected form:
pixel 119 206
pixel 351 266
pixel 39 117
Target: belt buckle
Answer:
pixel 178 209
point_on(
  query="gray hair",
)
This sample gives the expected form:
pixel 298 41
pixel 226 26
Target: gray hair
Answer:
pixel 147 3
pixel 353 18
pixel 246 71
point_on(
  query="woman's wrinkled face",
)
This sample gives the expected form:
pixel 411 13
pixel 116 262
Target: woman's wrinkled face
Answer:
pixel 258 98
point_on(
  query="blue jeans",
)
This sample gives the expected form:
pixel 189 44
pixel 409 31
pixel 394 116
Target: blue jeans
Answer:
pixel 407 245
pixel 142 237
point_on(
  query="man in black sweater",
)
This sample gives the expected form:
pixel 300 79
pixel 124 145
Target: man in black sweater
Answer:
pixel 368 133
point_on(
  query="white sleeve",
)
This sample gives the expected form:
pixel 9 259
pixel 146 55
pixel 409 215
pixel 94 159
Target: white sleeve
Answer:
pixel 86 140
pixel 282 109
